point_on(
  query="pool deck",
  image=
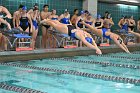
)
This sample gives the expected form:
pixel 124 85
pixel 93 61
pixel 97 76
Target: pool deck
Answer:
pixel 9 56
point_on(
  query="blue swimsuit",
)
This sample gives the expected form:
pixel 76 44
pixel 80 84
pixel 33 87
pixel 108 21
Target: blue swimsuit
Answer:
pixel 104 30
pixel 65 20
pixel 72 35
pixel 53 18
pixel 35 24
pixel 90 23
pixel 70 28
pixel 125 27
pixel 79 24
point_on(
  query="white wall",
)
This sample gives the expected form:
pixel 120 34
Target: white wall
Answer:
pixel 91 6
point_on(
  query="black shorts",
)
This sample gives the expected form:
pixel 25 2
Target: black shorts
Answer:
pixel 46 26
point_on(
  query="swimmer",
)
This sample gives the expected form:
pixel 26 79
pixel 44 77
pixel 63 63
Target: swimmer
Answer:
pixel 74 33
pixel 65 18
pixel 16 16
pixel 98 22
pixel 25 21
pixel 3 40
pixel 74 17
pixel 35 16
pixel 45 34
pixel 53 15
pixel 107 34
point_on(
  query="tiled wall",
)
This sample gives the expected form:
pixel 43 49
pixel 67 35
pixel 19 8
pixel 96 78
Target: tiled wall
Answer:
pixel 59 5
pixel 118 10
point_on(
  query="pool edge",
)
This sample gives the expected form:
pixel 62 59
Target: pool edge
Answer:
pixel 55 53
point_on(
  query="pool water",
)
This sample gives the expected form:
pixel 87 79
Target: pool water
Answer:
pixel 26 75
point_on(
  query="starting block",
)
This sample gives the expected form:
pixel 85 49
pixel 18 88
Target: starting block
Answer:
pixel 24 49
pixel 70 46
pixel 104 44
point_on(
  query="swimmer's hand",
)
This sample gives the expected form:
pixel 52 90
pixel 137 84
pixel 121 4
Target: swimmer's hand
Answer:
pixel 128 52
pixel 82 22
pixel 44 21
pixel 98 51
pixel 8 16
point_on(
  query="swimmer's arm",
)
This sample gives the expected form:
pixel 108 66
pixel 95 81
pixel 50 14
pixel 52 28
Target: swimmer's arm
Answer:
pixel 138 26
pixel 5 22
pixel 38 17
pixel 36 14
pixel 89 26
pixel 72 18
pixel 5 10
pixel 69 20
pixel 17 21
pixel 93 24
pixel 30 21
pixel 30 11
pixel 119 24
pixel 42 16
pixel 14 19
pixel 60 17
pixel 77 23
pixel 93 21
pixel 134 23
pixel 111 21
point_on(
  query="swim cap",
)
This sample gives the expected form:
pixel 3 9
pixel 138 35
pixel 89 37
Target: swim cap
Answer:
pixel 66 10
pixel 98 16
pixel 82 12
pixel 24 8
pixel 88 39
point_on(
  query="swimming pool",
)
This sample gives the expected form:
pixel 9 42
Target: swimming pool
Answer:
pixel 111 73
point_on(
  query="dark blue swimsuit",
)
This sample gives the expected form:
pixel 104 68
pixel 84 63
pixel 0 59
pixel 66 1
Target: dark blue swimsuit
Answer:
pixel 79 24
pixel 53 18
pixel 90 23
pixel 24 23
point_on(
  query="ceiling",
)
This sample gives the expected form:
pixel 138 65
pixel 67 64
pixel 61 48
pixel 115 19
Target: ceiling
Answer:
pixel 128 2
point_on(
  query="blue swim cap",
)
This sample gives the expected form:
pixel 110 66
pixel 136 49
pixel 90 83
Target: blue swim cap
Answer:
pixel 24 8
pixel 98 16
pixel 82 12
pixel 89 39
